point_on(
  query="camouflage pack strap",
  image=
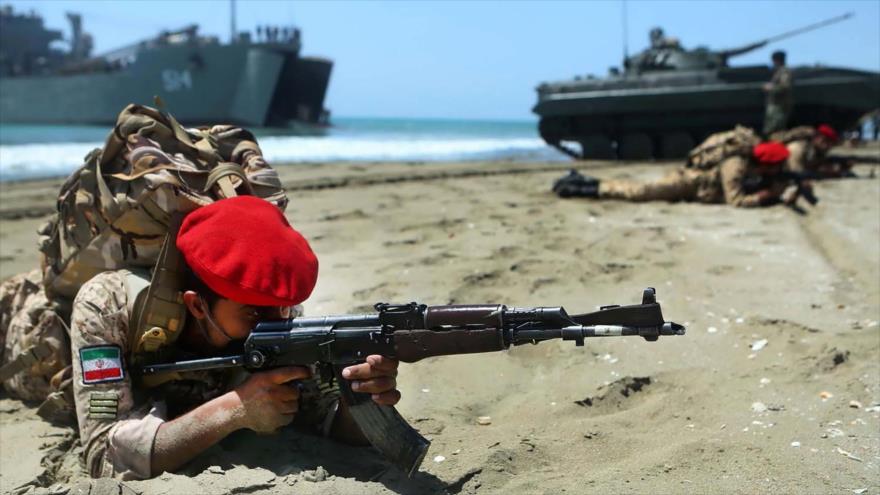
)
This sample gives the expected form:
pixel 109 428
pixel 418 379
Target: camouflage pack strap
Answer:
pixel 138 175
pixel 244 148
pixel 26 359
pixel 157 125
pixel 222 176
pixel 203 146
pixel 108 202
pixel 160 313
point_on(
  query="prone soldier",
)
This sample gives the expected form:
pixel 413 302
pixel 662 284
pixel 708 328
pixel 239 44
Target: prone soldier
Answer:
pixel 246 264
pixel 731 182
pixel 809 154
pixel 140 415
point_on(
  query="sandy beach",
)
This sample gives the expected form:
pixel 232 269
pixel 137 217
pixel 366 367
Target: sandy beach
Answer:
pixel 774 389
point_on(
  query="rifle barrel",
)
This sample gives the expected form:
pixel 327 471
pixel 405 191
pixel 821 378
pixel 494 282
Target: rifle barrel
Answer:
pixel 794 32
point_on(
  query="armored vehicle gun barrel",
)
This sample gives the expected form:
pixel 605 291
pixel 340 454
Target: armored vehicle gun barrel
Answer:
pixel 733 52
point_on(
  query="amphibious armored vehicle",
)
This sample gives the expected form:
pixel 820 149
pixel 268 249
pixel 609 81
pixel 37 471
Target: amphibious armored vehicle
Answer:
pixel 668 98
pixel 262 82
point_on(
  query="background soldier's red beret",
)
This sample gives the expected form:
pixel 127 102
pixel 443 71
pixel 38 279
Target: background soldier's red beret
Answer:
pixel 770 153
pixel 244 250
pixel 829 132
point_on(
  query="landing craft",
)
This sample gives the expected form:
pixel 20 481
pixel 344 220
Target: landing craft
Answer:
pixel 262 82
pixel 667 99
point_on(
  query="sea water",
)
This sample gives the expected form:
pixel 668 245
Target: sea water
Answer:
pixel 30 151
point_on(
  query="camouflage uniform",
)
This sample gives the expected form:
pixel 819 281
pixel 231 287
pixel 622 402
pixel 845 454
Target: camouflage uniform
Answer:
pixel 803 156
pixel 721 184
pixel 28 320
pixel 779 101
pixel 118 420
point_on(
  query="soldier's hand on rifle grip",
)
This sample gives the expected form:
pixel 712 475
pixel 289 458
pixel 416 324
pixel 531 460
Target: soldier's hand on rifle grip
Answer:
pixel 266 401
pixel 768 197
pixel 377 376
pixel 807 187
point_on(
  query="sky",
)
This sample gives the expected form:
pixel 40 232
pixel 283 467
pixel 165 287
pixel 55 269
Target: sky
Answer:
pixel 481 59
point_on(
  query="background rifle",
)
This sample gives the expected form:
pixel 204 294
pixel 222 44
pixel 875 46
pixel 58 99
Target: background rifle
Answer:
pixel 411 332
pixel 873 159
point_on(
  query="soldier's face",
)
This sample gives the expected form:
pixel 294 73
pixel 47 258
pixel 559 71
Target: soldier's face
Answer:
pixel 821 143
pixel 226 320
pixel 769 169
pixel 236 320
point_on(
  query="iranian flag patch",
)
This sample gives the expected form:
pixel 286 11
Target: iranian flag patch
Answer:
pixel 101 364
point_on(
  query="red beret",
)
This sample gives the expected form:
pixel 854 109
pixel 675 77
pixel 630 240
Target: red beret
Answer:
pixel 770 153
pixel 244 250
pixel 829 132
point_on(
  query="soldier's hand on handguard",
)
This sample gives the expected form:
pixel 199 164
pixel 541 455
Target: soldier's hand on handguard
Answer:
pixel 377 376
pixel 807 186
pixel 267 400
pixel 767 197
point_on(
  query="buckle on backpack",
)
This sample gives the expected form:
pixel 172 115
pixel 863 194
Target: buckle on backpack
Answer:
pixel 153 339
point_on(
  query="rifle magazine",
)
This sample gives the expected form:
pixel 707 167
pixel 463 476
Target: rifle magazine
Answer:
pixel 385 428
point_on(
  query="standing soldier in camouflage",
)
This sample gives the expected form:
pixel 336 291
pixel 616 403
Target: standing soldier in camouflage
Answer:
pixel 726 183
pixel 779 99
pixel 247 264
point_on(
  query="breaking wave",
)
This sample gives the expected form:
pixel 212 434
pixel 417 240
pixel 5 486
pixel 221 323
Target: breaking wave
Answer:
pixel 27 161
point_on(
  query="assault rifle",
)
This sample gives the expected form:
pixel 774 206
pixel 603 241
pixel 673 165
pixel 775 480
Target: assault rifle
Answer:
pixel 803 191
pixel 850 159
pixel 411 332
pixel 840 166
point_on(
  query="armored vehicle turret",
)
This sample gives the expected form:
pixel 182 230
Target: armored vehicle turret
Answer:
pixel 668 98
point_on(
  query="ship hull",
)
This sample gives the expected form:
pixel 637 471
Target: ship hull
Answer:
pixel 251 85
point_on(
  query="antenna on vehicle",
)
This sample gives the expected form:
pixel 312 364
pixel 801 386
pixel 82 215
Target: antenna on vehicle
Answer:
pixel 625 31
pixel 232 36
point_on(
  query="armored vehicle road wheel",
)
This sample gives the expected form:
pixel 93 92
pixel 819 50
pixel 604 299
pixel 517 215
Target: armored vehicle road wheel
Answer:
pixel 636 146
pixel 597 147
pixel 675 144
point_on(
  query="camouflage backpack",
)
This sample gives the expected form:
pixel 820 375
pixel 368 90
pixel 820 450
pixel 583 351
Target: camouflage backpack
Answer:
pixel 115 210
pixel 715 148
pixel 120 211
pixel 800 133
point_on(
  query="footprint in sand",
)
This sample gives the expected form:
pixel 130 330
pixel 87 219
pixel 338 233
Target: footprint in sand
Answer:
pixel 619 395
pixel 369 293
pixel 347 215
pixel 721 269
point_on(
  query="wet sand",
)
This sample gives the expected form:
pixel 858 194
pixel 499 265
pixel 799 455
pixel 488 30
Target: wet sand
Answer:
pixel 781 309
